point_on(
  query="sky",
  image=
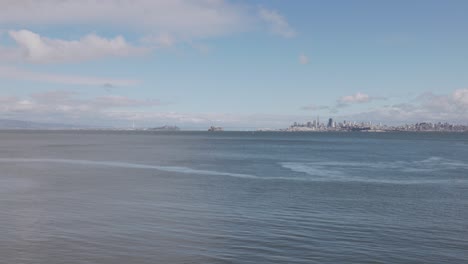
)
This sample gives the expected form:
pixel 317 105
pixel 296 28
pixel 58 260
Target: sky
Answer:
pixel 237 64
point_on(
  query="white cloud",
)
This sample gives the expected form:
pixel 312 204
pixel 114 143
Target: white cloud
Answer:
pixel 452 107
pixel 20 74
pixel 344 101
pixel 355 98
pixel 303 59
pixel 69 107
pixel 182 18
pixel 277 23
pixel 67 103
pixel 460 97
pixel 34 48
pixel 160 23
pixel 457 101
pixel 162 40
pixel 115 110
pixel 425 108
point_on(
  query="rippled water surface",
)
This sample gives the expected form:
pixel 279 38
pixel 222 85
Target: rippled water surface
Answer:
pixel 233 197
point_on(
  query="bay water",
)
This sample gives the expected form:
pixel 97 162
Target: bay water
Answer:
pixel 233 197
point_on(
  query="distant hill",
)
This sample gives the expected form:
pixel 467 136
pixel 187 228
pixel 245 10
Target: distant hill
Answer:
pixel 20 124
pixel 164 128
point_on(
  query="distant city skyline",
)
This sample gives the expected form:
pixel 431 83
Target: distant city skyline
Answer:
pixel 231 63
pixel 350 125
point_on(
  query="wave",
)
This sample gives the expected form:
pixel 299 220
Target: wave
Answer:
pixel 429 164
pixel 312 171
pixel 128 165
pixel 358 171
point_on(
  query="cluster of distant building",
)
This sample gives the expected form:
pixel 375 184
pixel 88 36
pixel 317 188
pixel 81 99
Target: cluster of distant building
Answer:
pixel 332 125
pixel 427 126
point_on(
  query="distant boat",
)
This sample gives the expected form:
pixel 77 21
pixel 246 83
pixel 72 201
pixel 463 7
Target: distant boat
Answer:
pixel 215 129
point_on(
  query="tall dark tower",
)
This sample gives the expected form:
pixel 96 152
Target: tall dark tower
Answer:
pixel 330 122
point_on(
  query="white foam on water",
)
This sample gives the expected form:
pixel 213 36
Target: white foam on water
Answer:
pixel 175 169
pixel 127 165
pixel 315 171
pixel 352 171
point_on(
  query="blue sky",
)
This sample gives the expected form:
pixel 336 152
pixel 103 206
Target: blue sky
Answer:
pixel 238 64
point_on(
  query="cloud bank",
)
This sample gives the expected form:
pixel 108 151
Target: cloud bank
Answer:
pixel 355 98
pixel 178 19
pixel 121 111
pixel 65 106
pixel 21 74
pixel 183 18
pixel 108 110
pixel 451 107
pixel 32 47
pixel 277 23
pixel 153 24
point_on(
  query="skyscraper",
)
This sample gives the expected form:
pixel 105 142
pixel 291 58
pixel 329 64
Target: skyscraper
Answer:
pixel 330 122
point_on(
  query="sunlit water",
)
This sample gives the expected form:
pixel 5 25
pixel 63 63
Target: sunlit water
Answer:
pixel 198 197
